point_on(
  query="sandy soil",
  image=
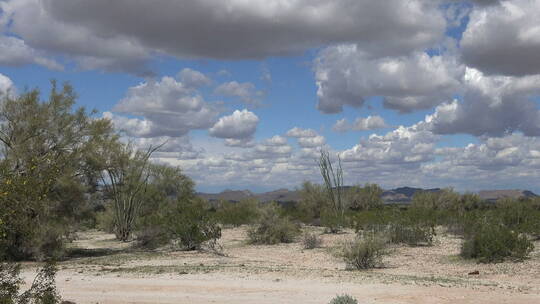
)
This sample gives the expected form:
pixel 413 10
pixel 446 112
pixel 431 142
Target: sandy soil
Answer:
pixel 286 273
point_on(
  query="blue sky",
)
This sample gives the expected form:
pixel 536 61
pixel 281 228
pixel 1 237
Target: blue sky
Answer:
pixel 418 93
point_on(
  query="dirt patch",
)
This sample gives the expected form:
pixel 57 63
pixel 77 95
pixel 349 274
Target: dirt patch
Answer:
pixel 287 273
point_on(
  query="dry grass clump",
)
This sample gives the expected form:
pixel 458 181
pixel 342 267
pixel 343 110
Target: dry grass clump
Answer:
pixel 344 299
pixel 311 240
pixel 364 253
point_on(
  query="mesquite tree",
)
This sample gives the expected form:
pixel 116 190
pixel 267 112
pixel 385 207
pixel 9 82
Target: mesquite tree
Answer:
pixel 44 146
pixel 333 180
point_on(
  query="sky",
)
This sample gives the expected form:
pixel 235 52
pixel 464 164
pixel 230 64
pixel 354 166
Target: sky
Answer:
pixel 245 94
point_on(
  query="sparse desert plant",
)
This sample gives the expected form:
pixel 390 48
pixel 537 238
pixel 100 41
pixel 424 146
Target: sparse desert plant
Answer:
pixel 9 282
pixel 42 291
pixel 125 175
pixel 333 181
pixel 343 299
pixel 491 242
pixel 364 253
pixel 271 228
pixel 410 234
pixel 311 240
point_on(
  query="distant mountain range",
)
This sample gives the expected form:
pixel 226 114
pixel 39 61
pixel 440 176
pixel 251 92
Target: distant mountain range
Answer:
pixel 402 195
pixel 494 195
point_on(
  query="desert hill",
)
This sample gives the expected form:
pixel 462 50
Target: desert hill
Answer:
pixel 401 195
pixel 494 195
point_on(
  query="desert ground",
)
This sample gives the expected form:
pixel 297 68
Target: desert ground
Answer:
pixel 102 270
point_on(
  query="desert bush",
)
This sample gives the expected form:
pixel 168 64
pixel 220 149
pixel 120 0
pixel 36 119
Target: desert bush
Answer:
pixel 332 221
pixel 364 198
pixel 51 245
pixel 105 220
pixel 415 226
pixel 445 199
pixel 373 221
pixel 410 234
pixel 311 240
pixel 364 253
pixel 344 299
pixel 42 291
pixel 236 214
pixel 172 213
pixel 187 222
pixel 271 228
pixel 518 215
pixel 152 237
pixel 490 241
pixel 193 226
pixel 313 199
pixel 468 202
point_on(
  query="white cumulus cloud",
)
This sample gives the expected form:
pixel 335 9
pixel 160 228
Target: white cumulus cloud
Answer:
pixel 504 39
pixel 238 125
pixel 346 75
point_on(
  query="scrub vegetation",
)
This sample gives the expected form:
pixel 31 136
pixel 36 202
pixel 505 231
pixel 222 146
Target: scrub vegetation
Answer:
pixel 63 171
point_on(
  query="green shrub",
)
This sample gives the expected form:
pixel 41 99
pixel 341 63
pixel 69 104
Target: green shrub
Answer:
pixel 445 199
pixel 236 214
pixel 368 197
pixel 191 224
pixel 493 242
pixel 344 299
pixel 311 240
pixel 373 221
pixel 188 223
pixel 519 215
pixel 468 202
pixel 172 213
pixel 271 228
pixel 334 222
pixel 105 220
pixel 364 253
pixel 313 199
